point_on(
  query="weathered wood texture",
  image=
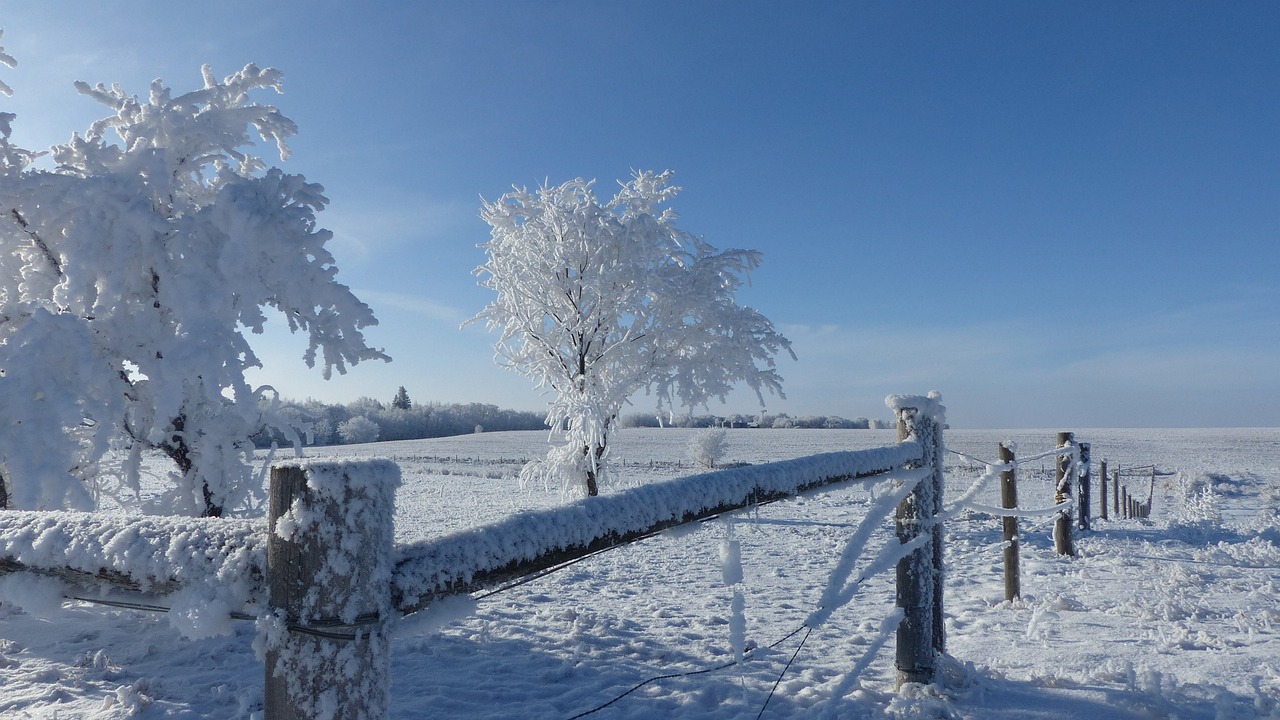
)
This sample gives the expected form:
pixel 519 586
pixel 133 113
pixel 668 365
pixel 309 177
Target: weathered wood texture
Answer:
pixel 322 663
pixel 922 633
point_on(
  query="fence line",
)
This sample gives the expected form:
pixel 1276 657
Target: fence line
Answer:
pixel 309 635
pixel 312 623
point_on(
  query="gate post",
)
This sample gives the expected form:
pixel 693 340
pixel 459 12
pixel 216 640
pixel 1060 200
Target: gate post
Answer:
pixel 328 650
pixel 922 633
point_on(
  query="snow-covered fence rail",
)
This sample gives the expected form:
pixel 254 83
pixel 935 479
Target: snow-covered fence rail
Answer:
pixel 193 560
pixel 530 542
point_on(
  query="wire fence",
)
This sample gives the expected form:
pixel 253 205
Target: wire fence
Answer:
pixel 861 558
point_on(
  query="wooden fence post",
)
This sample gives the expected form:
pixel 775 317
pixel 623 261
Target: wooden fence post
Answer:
pixel 1085 479
pixel 1009 499
pixel 329 584
pixel 1102 488
pixel 921 634
pixel 1115 487
pixel 1124 503
pixel 1062 526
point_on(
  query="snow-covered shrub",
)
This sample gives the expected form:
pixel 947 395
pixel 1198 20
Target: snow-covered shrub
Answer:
pixel 707 446
pixel 358 429
pixel 1198 498
pixel 129 273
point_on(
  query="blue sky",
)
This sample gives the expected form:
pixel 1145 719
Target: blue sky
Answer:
pixel 1059 215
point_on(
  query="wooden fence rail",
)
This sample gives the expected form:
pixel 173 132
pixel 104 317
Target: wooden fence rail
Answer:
pixel 529 542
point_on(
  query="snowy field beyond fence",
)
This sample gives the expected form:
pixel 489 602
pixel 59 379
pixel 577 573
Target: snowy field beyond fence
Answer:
pixel 1176 616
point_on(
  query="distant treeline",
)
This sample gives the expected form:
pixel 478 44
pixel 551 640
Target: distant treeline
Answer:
pixel 780 420
pixel 369 420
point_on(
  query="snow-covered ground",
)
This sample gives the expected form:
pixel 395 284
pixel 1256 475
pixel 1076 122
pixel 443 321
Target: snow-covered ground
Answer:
pixel 1177 616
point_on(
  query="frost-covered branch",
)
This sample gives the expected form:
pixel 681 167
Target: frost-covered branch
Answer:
pixel 129 275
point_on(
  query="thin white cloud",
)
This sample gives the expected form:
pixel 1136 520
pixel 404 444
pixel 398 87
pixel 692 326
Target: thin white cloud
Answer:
pixel 367 230
pixel 415 304
pixel 1176 367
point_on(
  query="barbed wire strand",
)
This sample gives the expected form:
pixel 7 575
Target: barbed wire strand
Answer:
pixel 689 673
pixel 782 674
pixel 971 458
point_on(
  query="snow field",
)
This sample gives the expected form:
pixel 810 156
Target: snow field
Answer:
pixel 1170 617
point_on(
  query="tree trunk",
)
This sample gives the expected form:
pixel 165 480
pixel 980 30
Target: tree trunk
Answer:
pixel 593 487
pixel 176 448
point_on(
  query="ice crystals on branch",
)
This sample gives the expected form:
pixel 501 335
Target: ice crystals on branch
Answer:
pixel 598 300
pixel 128 276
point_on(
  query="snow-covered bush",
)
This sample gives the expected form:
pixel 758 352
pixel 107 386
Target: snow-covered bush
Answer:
pixel 597 301
pixel 707 446
pixel 129 273
pixel 1199 501
pixel 358 429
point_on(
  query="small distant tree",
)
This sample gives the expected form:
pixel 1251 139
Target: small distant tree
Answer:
pixel 599 300
pixel 401 400
pixel 707 446
pixel 129 273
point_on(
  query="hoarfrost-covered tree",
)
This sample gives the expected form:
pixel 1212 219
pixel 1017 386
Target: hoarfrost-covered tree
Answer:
pixel 130 269
pixel 600 300
pixel 707 446
pixel 359 429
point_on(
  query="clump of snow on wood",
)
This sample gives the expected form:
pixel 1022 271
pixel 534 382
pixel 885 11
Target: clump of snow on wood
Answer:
pixel 440 613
